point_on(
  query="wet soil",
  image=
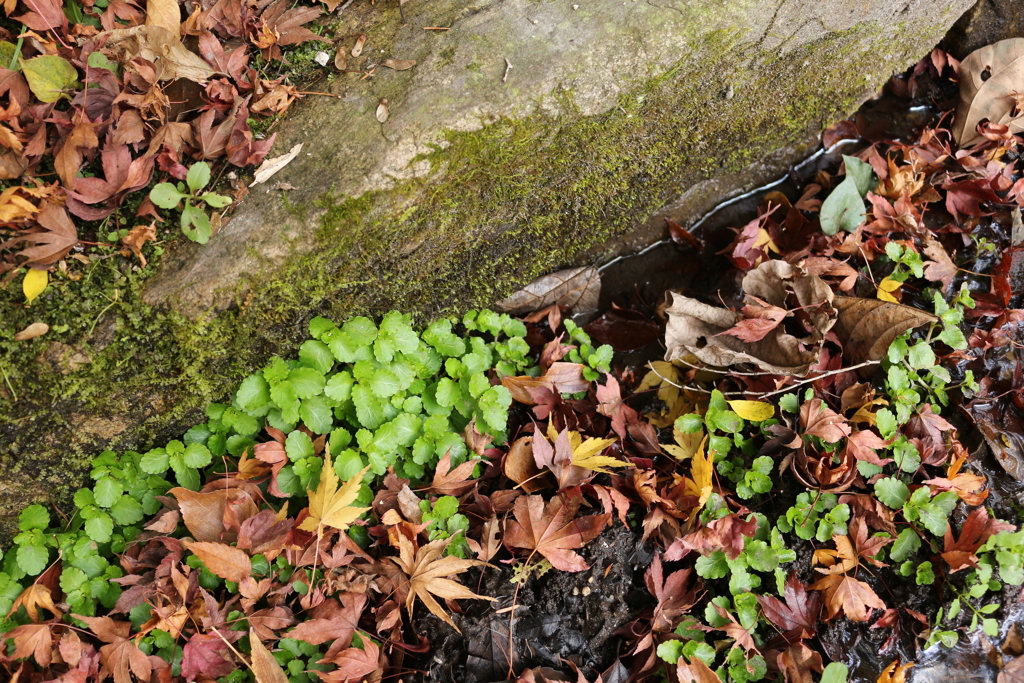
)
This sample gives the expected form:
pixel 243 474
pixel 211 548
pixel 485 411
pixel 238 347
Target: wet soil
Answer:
pixel 547 621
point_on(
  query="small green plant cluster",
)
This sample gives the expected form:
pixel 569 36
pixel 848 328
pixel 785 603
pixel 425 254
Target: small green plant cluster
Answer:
pixel 817 516
pixel 444 520
pixel 691 643
pixel 764 552
pixel 195 224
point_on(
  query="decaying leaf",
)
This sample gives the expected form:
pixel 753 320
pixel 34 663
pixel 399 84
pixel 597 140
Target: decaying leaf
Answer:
pixel 560 378
pixel 989 77
pixel 866 327
pixel 33 330
pixel 225 561
pixel 575 288
pixel 695 328
pixel 849 596
pixel 138 236
pixel 158 45
pixel 383 112
pixel 427 571
pixel 271 166
pixel 264 667
pixel 399 64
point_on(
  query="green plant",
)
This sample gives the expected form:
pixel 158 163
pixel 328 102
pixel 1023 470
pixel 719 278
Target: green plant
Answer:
pixel 749 482
pixel 764 552
pixel 816 516
pixel 194 222
pixel 443 520
pixel 844 207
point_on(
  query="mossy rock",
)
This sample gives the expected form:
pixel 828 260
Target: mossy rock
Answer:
pixel 482 177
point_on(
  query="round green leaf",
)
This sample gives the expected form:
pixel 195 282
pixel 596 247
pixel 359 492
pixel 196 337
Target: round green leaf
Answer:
pixel 198 176
pixel 34 517
pixel 166 196
pixel 107 491
pixel 32 558
pixel 48 76
pixel 197 455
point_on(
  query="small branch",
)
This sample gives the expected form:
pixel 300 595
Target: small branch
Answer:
pixel 508 67
pixel 754 393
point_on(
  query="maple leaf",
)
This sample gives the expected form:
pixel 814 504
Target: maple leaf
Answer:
pixel 726 534
pixel 610 404
pixel 552 531
pixel 453 482
pixel 895 672
pixel 867 546
pixel 32 598
pixel 134 240
pixel 674 594
pixel 821 421
pixel 32 640
pixel 342 621
pixel 864 445
pixel 976 529
pixel 800 610
pixel 735 630
pixel 208 655
pixel 427 571
pixel 53 240
pixel 797 661
pixel 698 484
pixel 120 657
pixel 331 506
pixel 757 321
pixel 840 560
pixel 225 561
pixel 68 160
pixel 353 664
pixel 562 378
pixel 846 594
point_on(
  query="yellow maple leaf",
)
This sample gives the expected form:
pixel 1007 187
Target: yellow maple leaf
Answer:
pixel 32 599
pixel 865 414
pixel 331 506
pixel 763 239
pixel 699 482
pixel 755 411
pixel 894 673
pixel 667 377
pixel 685 444
pixel 586 455
pixel 886 288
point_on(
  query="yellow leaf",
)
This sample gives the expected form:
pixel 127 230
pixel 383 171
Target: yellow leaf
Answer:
pixel 894 673
pixel 34 283
pixel 755 411
pixel 700 471
pixel 865 414
pixel 32 598
pixel 886 288
pixel 264 667
pixel 585 454
pixel 763 239
pixel 685 446
pixel 331 506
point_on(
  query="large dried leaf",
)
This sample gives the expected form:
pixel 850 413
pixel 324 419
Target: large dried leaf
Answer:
pixel 264 667
pixel 696 329
pixel 564 378
pixel 225 561
pixel 160 46
pixel 203 513
pixel 866 327
pixel 330 506
pixel 575 288
pixel 55 239
pixel 427 572
pixel 989 77
pixel 553 531
pixel 164 13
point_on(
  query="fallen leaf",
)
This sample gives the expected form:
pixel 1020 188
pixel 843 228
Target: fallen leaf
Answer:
pixel 821 421
pixel 553 531
pixel 357 49
pixel 353 664
pixel 32 640
pixel 160 46
pixel 271 166
pixel 399 64
pixel 331 506
pixel 866 327
pixel 561 377
pixel 886 288
pixel 755 411
pixel 120 656
pixel 33 284
pixel 427 571
pixel 138 236
pixel 225 561
pixel 694 327
pixel 575 288
pixel 55 237
pixel 49 76
pixel 845 594
pixel 989 76
pixel 799 610
pixel 976 529
pixel 264 667
pixel 32 599
pixel 696 671
pixel 895 673
pixel 164 13
pixel 698 484
pixel 735 630
pixel 674 593
pixel 36 329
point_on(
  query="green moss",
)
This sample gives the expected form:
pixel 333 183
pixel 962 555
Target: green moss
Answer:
pixel 503 204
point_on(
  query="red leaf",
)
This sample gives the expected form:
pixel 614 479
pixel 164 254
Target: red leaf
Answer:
pixel 552 531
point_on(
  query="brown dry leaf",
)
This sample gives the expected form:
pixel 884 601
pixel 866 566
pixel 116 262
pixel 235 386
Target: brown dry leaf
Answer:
pixel 32 331
pixel 32 599
pixel 989 77
pixel 566 378
pixel 553 531
pixel 866 327
pixel 203 513
pixel 695 672
pixel 158 45
pixel 271 166
pixel 399 64
pixel 55 240
pixel 520 466
pixel 32 640
pixel 695 328
pixel 164 13
pixel 68 160
pixel 225 561
pixel 264 667
pixel 138 236
pixel 427 571
pixel 846 594
pixel 357 49
pixel 575 288
pixel 382 110
pixel 340 60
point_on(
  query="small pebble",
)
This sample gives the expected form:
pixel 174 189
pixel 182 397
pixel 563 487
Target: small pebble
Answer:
pixel 321 58
pixel 575 6
pixel 575 591
pixel 586 591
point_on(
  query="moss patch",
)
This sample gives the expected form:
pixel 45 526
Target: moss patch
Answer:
pixel 503 205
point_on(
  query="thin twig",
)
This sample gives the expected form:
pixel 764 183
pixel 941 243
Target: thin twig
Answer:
pixel 759 394
pixel 508 67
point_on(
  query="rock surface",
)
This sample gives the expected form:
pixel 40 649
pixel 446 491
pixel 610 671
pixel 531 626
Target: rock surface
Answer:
pixel 531 135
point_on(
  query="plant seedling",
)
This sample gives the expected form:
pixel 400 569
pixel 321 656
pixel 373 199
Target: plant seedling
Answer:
pixel 194 222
